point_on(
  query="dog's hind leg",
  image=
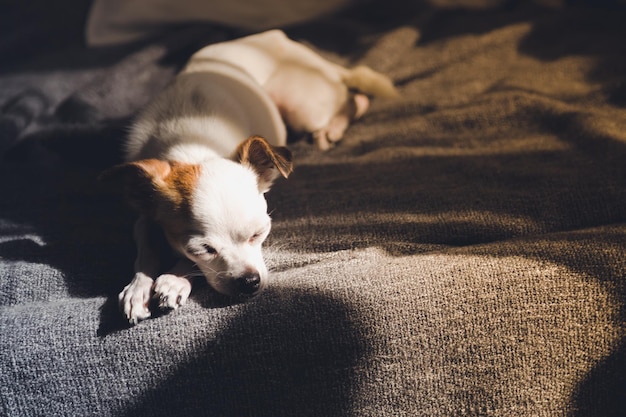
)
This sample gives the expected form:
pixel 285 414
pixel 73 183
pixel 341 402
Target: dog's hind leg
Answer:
pixel 354 108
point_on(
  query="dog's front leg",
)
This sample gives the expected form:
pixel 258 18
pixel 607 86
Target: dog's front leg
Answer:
pixel 135 297
pixel 173 288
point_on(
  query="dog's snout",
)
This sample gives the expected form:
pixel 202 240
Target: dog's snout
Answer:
pixel 249 283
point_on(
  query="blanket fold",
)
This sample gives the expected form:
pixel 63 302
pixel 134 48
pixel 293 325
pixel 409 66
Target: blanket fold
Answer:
pixel 460 252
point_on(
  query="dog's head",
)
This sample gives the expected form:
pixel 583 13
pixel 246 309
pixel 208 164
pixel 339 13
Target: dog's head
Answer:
pixel 213 213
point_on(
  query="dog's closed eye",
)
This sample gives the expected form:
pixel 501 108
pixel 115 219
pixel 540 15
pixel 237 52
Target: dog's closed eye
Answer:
pixel 254 237
pixel 209 249
pixel 260 234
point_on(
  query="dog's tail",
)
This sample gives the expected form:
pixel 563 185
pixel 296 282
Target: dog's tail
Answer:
pixel 368 81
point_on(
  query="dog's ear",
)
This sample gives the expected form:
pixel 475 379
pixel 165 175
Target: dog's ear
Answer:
pixel 269 162
pixel 142 182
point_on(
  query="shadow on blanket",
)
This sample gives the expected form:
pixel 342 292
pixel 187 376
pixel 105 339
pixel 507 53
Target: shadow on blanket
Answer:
pixel 54 193
pixel 391 192
pixel 260 364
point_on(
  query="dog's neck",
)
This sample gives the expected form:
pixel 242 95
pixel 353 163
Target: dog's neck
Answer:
pixel 201 142
pixel 191 153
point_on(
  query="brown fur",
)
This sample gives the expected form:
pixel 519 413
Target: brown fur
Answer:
pixel 266 160
pixel 152 185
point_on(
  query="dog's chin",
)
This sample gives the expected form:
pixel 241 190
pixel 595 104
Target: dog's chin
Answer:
pixel 245 297
pixel 236 296
pixel 227 286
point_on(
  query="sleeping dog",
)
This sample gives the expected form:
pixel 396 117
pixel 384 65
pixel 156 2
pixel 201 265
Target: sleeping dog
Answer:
pixel 192 173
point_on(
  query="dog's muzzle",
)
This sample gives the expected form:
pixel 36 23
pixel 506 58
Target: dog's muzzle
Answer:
pixel 248 284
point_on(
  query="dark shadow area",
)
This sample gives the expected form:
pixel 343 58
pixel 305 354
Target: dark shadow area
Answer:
pixel 292 351
pixel 444 200
pixel 86 230
pixel 112 321
pixel 598 34
pixel 541 198
pixel 289 353
pixel 589 31
pixel 353 31
pixel 601 393
pixel 38 35
pixel 64 112
pixel 53 191
pixel 585 31
pixel 42 36
pixel 451 23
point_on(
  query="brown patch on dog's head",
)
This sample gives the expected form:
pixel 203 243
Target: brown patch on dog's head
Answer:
pixel 269 162
pixel 156 188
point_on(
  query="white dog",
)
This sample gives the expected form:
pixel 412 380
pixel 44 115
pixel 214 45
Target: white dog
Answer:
pixel 192 174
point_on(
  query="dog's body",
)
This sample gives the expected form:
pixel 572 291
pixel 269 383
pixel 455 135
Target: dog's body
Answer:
pixel 190 174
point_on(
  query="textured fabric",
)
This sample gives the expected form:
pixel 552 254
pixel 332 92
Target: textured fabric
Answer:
pixel 459 253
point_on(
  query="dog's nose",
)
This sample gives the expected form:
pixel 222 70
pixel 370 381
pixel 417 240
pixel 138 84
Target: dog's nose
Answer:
pixel 249 283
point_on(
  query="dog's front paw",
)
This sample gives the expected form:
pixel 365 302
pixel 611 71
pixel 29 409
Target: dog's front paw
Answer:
pixel 171 291
pixel 135 297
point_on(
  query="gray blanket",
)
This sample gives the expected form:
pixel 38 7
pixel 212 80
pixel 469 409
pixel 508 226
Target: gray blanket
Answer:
pixel 459 253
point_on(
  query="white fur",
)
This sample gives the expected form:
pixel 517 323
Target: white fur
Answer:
pixel 229 209
pixel 203 115
pixel 226 93
pixel 231 90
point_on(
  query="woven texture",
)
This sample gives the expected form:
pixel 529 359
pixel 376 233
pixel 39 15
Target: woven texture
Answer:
pixel 459 253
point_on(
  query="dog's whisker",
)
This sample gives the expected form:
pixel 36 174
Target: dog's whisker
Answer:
pixel 224 275
pixel 152 154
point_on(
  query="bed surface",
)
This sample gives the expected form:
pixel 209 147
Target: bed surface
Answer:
pixel 460 252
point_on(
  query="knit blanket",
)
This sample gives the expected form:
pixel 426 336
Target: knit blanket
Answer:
pixel 459 253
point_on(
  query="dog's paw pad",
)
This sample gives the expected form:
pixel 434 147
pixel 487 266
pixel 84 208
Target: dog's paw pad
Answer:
pixel 171 291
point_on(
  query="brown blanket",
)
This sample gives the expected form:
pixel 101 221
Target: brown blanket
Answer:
pixel 459 253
